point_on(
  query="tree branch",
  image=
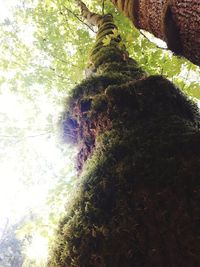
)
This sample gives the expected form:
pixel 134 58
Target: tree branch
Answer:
pixel 92 18
pixel 76 16
pixel 152 42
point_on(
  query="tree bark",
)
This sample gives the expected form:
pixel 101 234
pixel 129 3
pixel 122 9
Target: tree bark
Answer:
pixel 139 165
pixel 177 22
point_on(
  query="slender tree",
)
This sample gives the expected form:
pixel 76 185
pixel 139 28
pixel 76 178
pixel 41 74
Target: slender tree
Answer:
pixel 175 21
pixel 139 164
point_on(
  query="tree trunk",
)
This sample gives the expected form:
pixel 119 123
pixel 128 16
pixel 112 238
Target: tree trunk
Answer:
pixel 175 21
pixel 139 164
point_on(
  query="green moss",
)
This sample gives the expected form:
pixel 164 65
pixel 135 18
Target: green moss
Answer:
pixel 107 54
pixel 103 223
pixel 95 84
pixel 124 68
pixel 99 103
pixel 137 200
pixel 148 162
pixel 105 31
pixel 105 26
pixel 96 48
pixel 106 18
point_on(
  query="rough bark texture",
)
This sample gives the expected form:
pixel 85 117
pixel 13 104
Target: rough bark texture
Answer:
pixel 175 21
pixel 139 163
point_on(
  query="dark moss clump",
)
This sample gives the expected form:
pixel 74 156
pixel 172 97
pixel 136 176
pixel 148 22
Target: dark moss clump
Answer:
pixel 96 84
pixel 139 191
pixel 141 181
pixel 93 111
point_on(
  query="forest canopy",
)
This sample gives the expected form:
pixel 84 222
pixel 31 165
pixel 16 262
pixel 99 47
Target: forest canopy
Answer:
pixel 44 53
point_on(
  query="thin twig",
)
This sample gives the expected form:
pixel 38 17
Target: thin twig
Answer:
pixel 58 75
pixel 153 42
pixel 103 7
pixel 76 16
pixel 188 73
pixel 27 136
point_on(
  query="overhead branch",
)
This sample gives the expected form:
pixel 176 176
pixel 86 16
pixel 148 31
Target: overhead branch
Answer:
pixel 160 47
pixel 77 17
pixel 92 18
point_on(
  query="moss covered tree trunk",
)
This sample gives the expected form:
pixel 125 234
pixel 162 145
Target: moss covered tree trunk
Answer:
pixel 139 165
pixel 175 21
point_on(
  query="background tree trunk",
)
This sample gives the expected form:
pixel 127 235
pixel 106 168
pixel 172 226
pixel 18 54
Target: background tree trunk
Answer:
pixel 139 163
pixel 177 22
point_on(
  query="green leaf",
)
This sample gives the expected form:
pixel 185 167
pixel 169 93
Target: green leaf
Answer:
pixel 115 33
pixel 106 41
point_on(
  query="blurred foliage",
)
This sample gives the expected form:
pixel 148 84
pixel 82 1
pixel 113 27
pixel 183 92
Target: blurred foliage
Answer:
pixel 10 247
pixel 45 48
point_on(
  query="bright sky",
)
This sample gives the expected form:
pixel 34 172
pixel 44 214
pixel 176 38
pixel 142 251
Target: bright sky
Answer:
pixel 31 159
pixel 5 5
